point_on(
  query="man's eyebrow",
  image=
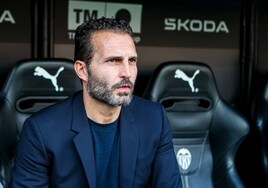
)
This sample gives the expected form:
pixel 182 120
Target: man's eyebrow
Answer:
pixel 133 57
pixel 113 57
pixel 120 57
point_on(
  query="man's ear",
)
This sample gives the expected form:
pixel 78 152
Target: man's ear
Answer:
pixel 80 68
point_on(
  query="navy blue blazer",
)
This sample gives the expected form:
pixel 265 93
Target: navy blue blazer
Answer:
pixel 55 148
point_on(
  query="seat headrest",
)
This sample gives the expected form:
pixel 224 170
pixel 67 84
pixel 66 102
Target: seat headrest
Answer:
pixel 182 81
pixel 40 81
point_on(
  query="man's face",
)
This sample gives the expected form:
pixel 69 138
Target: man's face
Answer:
pixel 113 69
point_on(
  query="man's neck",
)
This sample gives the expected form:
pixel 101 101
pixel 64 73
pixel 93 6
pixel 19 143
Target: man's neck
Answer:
pixel 98 111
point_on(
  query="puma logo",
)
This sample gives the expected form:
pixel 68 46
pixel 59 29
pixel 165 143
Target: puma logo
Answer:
pixel 39 71
pixel 181 75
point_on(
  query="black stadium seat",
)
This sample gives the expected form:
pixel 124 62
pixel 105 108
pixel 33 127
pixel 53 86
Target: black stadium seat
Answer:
pixel 8 139
pixel 31 85
pixel 260 117
pixel 207 131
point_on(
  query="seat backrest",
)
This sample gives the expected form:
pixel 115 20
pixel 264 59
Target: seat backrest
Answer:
pixel 207 131
pixel 260 118
pixel 36 83
pixel 8 139
pixel 31 85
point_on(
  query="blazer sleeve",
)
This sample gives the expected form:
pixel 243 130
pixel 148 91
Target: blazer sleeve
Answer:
pixel 165 169
pixel 30 168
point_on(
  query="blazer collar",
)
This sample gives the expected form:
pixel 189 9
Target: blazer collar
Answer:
pixel 129 143
pixel 83 140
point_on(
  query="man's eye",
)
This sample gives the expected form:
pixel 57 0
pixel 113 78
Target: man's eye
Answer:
pixel 114 60
pixel 133 61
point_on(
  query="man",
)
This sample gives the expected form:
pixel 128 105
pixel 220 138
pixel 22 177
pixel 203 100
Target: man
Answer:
pixel 102 136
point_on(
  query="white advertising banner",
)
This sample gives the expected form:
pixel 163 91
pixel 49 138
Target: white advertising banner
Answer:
pixel 80 11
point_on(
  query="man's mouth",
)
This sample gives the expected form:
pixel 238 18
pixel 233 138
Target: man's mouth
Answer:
pixel 124 87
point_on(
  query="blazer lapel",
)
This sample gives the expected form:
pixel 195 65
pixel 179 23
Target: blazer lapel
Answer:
pixel 128 147
pixel 84 146
pixel 83 140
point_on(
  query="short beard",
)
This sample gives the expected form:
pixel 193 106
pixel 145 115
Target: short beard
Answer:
pixel 99 90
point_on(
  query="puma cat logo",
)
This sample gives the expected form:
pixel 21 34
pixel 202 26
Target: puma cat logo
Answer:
pixel 39 71
pixel 181 75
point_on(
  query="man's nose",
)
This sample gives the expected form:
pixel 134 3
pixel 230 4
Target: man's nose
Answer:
pixel 125 70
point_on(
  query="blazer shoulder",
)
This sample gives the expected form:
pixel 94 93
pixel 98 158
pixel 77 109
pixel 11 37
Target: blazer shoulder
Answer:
pixel 141 106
